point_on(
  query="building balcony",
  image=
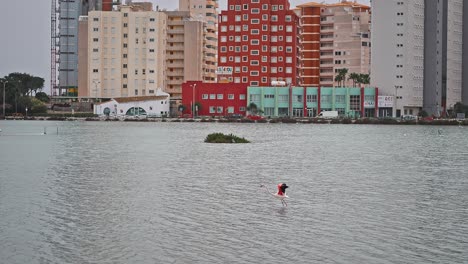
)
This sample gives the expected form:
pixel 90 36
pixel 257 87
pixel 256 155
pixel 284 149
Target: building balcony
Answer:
pixel 175 82
pixel 176 40
pixel 175 73
pixel 175 48
pixel 175 22
pixel 175 31
pixel 175 64
pixel 175 56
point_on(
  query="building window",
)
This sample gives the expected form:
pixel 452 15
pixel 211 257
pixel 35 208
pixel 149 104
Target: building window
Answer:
pixel 355 102
pixel 340 99
pixel 230 96
pixel 212 96
pixel 325 98
pixel 204 96
pixel 311 98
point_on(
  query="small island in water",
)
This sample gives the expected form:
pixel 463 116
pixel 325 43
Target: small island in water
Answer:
pixel 222 138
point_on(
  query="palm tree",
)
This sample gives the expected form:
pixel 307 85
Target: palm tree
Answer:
pixel 365 78
pixel 341 76
pixel 338 79
pixel 354 76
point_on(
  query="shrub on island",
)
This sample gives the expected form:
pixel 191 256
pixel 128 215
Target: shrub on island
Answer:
pixel 222 138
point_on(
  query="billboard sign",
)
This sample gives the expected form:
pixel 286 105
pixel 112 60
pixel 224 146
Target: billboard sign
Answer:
pixel 224 70
pixel 385 101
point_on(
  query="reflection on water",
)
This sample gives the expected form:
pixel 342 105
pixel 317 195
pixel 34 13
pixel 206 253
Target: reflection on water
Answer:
pixel 155 193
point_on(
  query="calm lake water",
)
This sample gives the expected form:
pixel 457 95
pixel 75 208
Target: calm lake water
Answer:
pixel 119 192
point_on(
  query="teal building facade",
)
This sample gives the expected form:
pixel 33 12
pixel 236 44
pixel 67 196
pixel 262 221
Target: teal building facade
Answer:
pixel 310 101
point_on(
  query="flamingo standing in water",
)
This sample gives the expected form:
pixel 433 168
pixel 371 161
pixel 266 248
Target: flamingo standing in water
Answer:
pixel 281 194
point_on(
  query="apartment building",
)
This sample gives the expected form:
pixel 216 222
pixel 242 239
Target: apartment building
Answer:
pixel 126 52
pixel 205 11
pixel 258 42
pixel 333 37
pixel 417 48
pixel 184 51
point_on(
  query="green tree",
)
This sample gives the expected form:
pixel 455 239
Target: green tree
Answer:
pixel 341 76
pixel 364 78
pixel 355 77
pixel 37 106
pixel 252 108
pixel 18 89
pixel 42 97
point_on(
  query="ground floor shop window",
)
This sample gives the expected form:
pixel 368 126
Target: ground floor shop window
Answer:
pixel 298 112
pixel 283 111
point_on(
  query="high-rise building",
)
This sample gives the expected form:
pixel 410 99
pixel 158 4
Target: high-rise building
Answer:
pixel 465 56
pixel 126 52
pixel 184 52
pixel 417 48
pixel 69 12
pixel 333 37
pixel 205 11
pixel 258 42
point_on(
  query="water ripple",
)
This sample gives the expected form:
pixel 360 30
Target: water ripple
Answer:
pixel 155 193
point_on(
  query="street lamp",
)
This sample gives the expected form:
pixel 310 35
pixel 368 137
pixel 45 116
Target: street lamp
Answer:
pixel 193 100
pixel 395 103
pixel 4 83
pixel 96 82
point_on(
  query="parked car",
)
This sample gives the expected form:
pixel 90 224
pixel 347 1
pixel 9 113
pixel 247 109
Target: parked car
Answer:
pixel 255 117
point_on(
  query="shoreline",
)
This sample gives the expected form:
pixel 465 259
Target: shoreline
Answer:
pixel 284 120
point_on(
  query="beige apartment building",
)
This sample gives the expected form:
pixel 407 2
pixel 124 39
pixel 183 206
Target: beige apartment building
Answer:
pixel 125 52
pixel 205 11
pixel 184 51
pixel 333 37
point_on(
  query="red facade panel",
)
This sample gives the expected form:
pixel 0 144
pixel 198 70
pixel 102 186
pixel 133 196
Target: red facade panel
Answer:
pixel 214 99
pixel 106 5
pixel 259 41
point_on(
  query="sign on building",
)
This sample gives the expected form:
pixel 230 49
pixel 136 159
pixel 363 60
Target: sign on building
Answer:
pixel 224 70
pixel 385 101
pixel 369 103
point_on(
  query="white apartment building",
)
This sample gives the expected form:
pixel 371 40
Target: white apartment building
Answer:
pixel 126 52
pixel 397 52
pixel 416 53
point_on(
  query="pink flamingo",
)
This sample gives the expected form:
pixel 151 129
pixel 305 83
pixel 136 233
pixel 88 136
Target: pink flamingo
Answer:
pixel 281 194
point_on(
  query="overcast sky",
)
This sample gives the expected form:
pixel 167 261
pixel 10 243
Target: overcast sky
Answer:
pixel 25 34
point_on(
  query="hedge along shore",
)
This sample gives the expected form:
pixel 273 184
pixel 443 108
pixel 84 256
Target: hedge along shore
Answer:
pixel 361 121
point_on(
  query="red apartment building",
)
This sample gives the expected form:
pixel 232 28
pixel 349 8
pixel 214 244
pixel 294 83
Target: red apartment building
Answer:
pixel 257 42
pixel 214 99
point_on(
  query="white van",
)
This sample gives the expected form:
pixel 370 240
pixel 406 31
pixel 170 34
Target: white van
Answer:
pixel 328 114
